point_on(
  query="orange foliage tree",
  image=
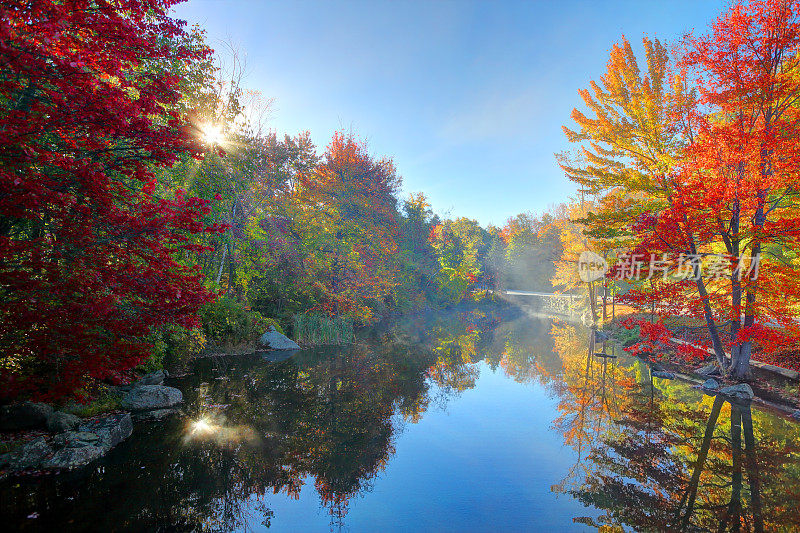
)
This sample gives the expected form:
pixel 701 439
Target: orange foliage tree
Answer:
pixel 700 163
pixel 347 216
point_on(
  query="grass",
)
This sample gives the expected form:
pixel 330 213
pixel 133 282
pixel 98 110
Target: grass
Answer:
pixel 106 401
pixel 791 391
pixel 626 337
pixel 318 330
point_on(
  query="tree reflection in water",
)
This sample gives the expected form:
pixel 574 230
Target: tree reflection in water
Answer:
pixel 255 428
pixel 662 457
pixel 651 454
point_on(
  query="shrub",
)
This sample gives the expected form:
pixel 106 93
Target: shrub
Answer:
pixel 173 346
pixel 103 400
pixel 227 322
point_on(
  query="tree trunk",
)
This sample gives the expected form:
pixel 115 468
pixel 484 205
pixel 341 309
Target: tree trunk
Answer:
pixel 736 283
pixel 222 263
pixel 740 365
pixel 231 270
pixel 231 263
pixel 711 325
pixel 713 331
pixel 614 302
pixel 593 301
pixel 605 300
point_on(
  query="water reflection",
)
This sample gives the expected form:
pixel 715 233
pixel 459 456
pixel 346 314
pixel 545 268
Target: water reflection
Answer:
pixel 647 454
pixel 656 455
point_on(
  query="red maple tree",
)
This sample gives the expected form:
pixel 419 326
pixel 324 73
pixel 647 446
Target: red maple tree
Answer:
pixel 90 259
pixel 733 193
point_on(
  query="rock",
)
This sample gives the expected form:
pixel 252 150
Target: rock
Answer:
pixel 710 384
pixel 796 414
pixel 148 397
pixel 742 391
pixel 93 440
pixel 76 439
pixel 153 378
pixel 30 455
pixel 111 429
pixel 277 341
pixel 663 375
pixel 75 448
pixel 25 415
pixel 61 421
pixel 121 390
pixel 74 457
pixel 708 370
pixel 154 415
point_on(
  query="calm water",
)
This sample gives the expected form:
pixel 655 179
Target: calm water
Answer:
pixel 465 422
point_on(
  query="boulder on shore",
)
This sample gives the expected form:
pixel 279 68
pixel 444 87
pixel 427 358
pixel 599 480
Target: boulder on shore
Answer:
pixel 111 429
pixel 74 457
pixel 708 370
pixel 277 341
pixel 742 391
pixel 25 415
pixel 147 397
pixel 76 439
pixel 153 378
pixel 30 455
pixel 61 421
pixel 72 449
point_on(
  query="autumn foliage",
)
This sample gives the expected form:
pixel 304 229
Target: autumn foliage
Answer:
pixel 349 220
pixel 697 157
pixel 90 259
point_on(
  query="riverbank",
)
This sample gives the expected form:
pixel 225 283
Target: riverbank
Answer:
pixel 37 436
pixel 774 387
pixel 31 443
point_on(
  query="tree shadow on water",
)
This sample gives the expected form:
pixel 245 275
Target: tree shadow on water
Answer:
pixel 668 458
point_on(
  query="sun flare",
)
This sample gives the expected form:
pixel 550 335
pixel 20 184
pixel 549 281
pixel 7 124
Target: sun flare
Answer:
pixel 212 134
pixel 202 426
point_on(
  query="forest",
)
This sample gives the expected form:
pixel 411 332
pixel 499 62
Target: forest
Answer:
pixel 148 213
pixel 625 358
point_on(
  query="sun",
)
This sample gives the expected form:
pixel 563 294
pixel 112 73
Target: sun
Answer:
pixel 212 134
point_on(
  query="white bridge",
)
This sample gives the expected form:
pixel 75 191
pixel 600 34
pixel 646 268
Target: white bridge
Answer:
pixel 512 292
pixel 562 304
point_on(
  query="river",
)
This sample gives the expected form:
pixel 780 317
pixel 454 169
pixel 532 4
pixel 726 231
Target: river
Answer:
pixel 475 420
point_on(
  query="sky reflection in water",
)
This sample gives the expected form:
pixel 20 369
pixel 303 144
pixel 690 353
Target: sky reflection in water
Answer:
pixel 458 423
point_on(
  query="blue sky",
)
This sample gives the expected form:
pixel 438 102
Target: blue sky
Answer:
pixel 468 98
